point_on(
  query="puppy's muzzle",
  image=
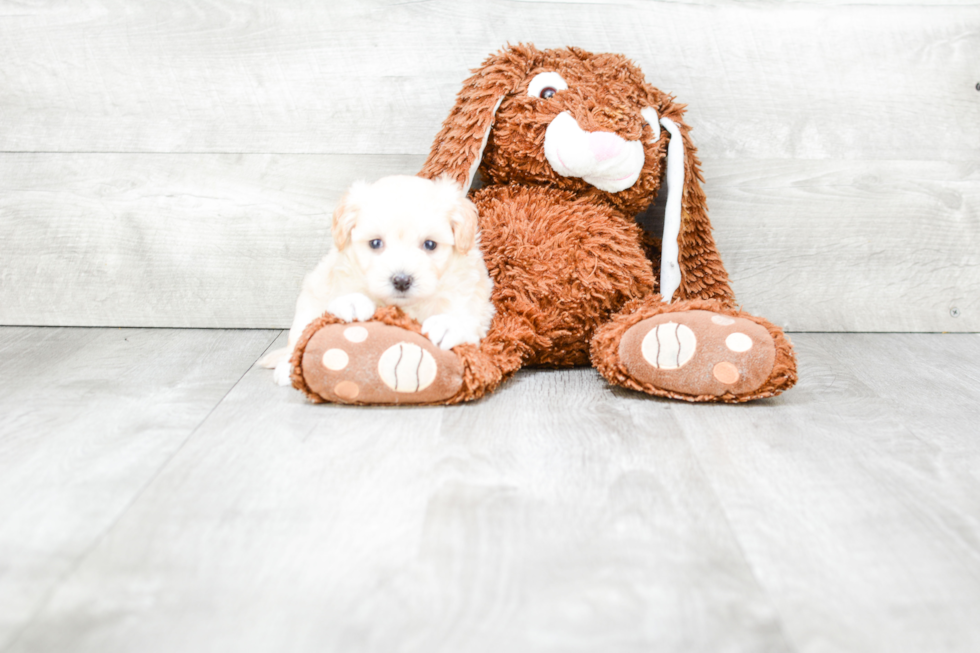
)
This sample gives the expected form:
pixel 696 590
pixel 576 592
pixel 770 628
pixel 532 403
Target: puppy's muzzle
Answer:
pixel 402 282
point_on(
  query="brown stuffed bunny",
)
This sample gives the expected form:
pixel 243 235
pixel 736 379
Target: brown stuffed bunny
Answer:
pixel 571 146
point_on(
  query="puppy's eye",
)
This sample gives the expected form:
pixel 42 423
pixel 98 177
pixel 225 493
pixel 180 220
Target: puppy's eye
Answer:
pixel 547 93
pixel 376 243
pixel 429 245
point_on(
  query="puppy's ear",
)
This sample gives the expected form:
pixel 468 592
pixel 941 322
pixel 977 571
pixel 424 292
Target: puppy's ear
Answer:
pixel 464 221
pixel 345 215
pixel 463 215
pixel 458 148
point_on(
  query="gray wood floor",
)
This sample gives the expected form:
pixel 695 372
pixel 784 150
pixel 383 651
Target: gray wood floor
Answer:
pixel 158 493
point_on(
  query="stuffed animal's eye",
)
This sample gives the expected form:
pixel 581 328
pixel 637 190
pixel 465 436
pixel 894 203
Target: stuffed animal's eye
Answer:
pixel 545 85
pixel 376 243
pixel 429 245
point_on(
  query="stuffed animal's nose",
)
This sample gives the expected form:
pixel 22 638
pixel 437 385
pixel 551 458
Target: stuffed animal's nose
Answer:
pixel 402 281
pixel 605 145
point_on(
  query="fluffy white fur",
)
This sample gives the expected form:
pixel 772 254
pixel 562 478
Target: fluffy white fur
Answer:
pixel 395 228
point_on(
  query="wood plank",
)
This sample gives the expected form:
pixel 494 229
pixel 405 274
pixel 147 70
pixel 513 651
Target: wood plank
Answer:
pixel 167 240
pixel 543 518
pixel 763 80
pixel 851 245
pixel 210 240
pixel 821 3
pixel 87 418
pixel 855 496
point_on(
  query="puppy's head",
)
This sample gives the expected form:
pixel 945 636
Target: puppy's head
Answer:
pixel 403 233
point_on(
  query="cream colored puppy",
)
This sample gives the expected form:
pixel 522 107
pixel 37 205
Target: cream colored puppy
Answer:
pixel 401 241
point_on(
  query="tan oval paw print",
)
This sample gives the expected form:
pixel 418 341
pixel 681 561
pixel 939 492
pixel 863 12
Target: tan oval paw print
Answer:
pixel 405 367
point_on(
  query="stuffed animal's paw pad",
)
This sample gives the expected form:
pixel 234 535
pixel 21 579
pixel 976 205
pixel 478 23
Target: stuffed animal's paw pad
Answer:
pixel 698 353
pixel 669 346
pixel 376 363
pixel 406 367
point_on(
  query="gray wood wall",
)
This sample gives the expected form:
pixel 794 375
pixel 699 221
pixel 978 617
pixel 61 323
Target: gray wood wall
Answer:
pixel 176 164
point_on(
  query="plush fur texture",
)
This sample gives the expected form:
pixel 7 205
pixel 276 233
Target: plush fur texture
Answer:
pixel 572 271
pixel 607 92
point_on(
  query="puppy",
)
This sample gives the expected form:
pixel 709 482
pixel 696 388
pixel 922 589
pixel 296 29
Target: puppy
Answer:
pixel 401 241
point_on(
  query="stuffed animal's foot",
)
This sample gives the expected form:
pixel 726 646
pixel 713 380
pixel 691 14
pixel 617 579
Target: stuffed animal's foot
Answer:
pixel 375 363
pixel 698 355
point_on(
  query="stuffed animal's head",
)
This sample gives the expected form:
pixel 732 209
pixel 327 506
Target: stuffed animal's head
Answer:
pixel 577 121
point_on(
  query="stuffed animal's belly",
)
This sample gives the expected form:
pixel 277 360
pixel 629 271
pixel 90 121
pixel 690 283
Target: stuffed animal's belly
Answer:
pixel 565 264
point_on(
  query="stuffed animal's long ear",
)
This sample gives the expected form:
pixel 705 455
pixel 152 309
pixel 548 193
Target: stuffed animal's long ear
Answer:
pixel 458 147
pixel 689 262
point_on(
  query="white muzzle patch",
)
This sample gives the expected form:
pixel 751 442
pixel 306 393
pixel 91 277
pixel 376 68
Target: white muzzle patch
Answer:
pixel 603 159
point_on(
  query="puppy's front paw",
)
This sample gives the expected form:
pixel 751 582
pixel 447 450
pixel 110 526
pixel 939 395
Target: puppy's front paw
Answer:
pixel 282 374
pixel 353 307
pixel 447 331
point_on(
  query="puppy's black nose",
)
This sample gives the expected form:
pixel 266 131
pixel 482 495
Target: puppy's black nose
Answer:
pixel 402 281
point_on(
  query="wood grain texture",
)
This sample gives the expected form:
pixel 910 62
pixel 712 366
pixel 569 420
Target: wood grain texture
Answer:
pixel 87 418
pixel 210 240
pixel 855 496
pixel 167 240
pixel 763 80
pixel 851 245
pixel 140 183
pixel 544 518
pixel 558 514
